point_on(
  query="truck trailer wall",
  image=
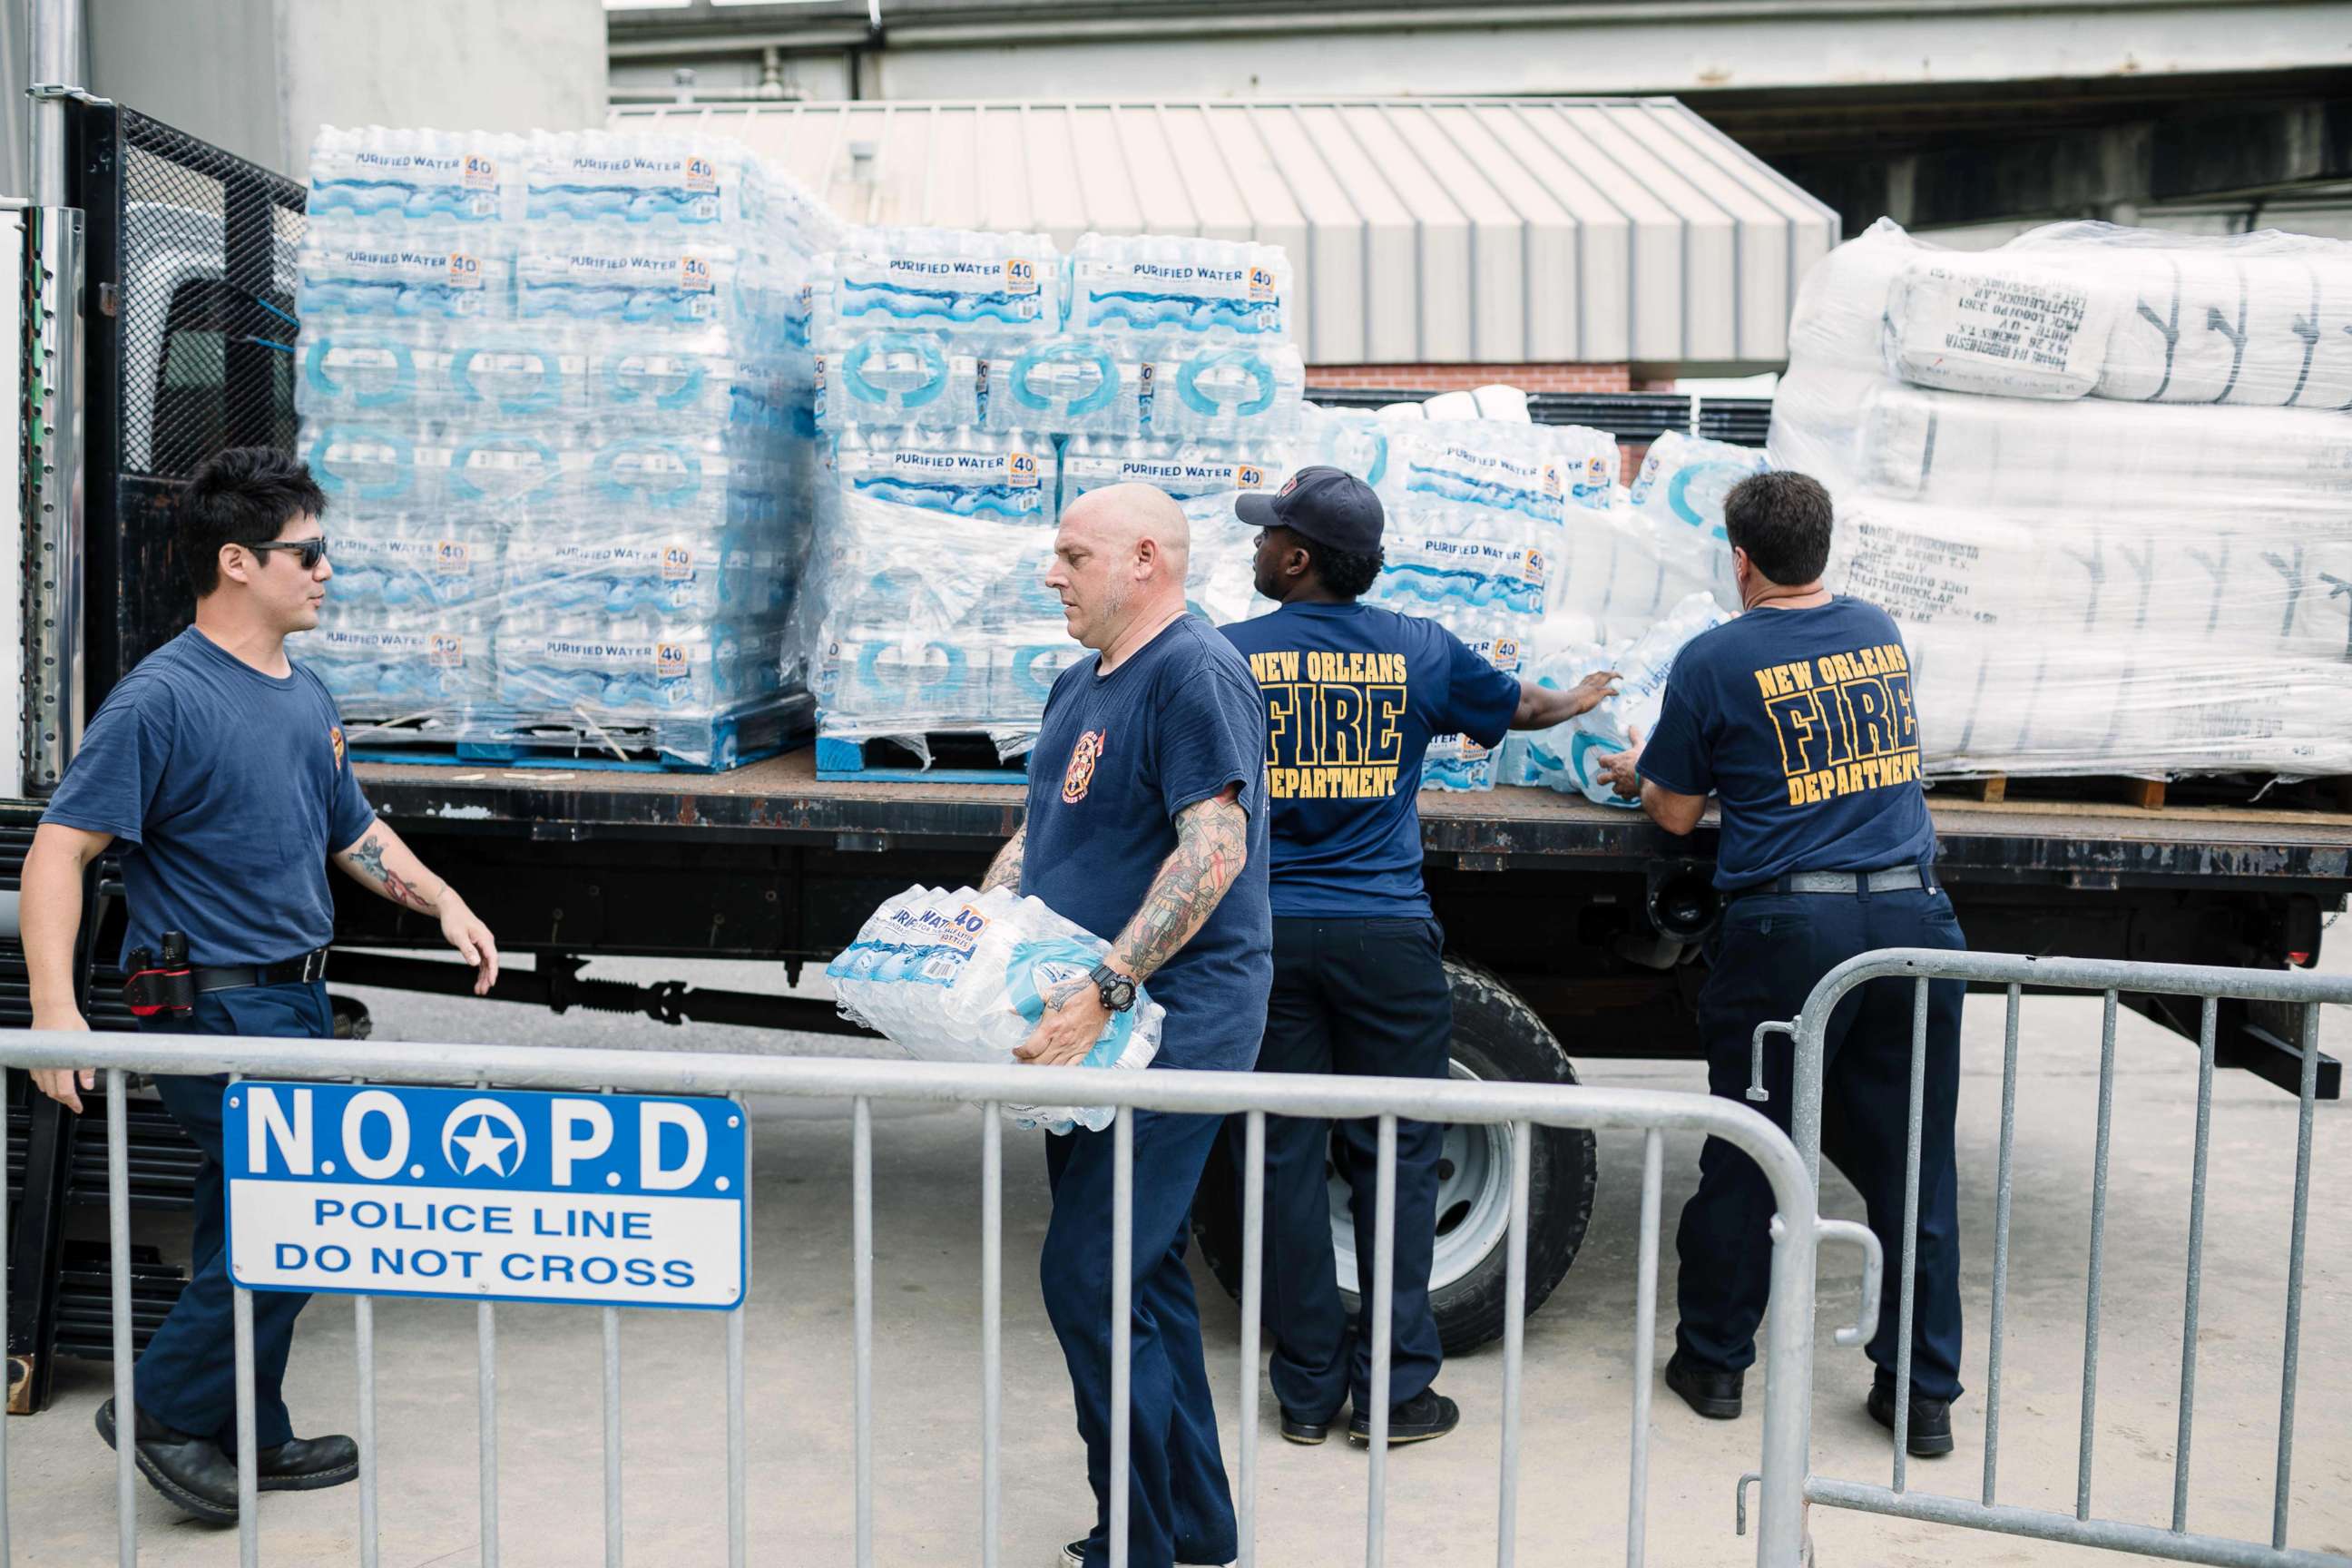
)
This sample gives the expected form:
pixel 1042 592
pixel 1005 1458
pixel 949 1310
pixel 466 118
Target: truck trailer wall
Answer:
pixel 259 76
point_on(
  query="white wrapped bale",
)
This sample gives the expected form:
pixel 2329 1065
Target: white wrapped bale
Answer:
pixel 1992 701
pixel 2156 578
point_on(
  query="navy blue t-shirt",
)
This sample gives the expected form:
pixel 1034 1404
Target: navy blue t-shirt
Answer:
pixel 1353 693
pixel 228 788
pixel 1118 757
pixel 1800 721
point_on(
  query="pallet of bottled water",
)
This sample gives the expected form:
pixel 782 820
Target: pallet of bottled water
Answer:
pixel 972 385
pixel 549 384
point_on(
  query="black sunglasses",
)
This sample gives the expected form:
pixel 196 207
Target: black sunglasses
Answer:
pixel 309 551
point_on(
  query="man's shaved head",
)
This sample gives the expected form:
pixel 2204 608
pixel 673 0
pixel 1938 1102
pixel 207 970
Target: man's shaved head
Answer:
pixel 1125 516
pixel 1119 561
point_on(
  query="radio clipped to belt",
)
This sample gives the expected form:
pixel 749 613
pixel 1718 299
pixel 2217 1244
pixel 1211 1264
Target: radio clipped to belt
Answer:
pixel 161 987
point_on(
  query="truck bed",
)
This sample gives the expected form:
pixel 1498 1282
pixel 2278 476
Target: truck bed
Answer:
pixel 780 800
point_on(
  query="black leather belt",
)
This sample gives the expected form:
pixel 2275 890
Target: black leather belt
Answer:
pixel 293 972
pixel 1885 880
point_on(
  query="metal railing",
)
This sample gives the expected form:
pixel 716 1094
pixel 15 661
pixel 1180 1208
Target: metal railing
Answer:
pixel 2113 978
pixel 1788 1390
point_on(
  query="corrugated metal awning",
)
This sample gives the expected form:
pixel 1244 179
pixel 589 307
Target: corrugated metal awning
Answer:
pixel 1422 230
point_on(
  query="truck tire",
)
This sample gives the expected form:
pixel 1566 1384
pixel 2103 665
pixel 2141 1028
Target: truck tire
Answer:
pixel 1496 1036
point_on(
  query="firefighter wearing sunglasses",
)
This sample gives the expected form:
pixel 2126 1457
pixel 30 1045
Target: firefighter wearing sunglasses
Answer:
pixel 218 767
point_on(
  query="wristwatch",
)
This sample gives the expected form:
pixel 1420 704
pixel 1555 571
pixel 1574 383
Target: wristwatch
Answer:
pixel 1118 990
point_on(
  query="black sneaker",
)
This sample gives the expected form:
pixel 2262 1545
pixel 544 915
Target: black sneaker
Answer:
pixel 191 1472
pixel 1426 1414
pixel 1930 1434
pixel 1302 1430
pixel 1714 1395
pixel 1074 1555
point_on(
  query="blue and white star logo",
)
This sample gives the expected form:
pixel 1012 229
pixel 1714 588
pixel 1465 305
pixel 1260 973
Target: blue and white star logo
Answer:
pixel 491 1138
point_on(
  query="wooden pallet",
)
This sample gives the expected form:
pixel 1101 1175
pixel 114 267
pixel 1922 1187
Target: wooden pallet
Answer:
pixel 957 757
pixel 2333 794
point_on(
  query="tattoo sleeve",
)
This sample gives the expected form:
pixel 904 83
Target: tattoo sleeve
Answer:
pixel 1212 846
pixel 365 863
pixel 1004 872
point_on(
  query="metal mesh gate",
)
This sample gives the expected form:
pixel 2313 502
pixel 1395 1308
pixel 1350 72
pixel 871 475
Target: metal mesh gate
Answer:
pixel 191 345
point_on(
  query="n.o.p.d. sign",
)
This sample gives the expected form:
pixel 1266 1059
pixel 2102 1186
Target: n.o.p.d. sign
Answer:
pixel 618 1200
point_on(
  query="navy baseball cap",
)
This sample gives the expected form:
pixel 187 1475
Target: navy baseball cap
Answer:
pixel 1329 506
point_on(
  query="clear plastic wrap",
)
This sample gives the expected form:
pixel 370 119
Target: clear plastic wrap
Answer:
pixel 1221 582
pixel 2092 575
pixel 1994 700
pixel 962 977
pixel 548 384
pixel 1621 570
pixel 1345 438
pixel 935 610
pixel 2092 309
pixel 1535 471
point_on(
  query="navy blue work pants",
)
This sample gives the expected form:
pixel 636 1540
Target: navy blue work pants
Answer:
pixel 1367 998
pixel 1772 949
pixel 186 1376
pixel 1179 1506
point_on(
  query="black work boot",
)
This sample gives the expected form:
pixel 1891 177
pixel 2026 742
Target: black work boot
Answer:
pixel 1928 1435
pixel 192 1473
pixel 1426 1414
pixel 1714 1395
pixel 307 1464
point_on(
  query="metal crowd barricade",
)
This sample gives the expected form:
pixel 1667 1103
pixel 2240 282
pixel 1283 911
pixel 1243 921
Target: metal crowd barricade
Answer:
pixel 2113 978
pixel 1788 1390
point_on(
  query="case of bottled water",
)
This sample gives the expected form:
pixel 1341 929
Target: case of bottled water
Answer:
pixel 962 976
pixel 557 389
pixel 2079 463
pixel 1682 484
pixel 1178 287
pixel 1187 471
pixel 1457 762
pixel 1564 757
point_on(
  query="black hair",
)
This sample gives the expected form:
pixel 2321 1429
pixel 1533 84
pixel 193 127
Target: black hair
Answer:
pixel 1343 572
pixel 1782 519
pixel 244 495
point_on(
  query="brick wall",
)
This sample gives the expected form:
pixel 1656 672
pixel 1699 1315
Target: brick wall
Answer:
pixel 1432 378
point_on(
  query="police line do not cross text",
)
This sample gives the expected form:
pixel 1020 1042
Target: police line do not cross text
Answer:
pixel 618 1200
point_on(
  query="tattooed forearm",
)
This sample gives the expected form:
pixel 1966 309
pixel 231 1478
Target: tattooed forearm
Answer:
pixel 365 863
pixel 1212 846
pixel 1004 872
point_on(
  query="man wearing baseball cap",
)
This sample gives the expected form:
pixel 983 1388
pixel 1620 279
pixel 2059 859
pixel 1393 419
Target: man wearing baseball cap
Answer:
pixel 1353 695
